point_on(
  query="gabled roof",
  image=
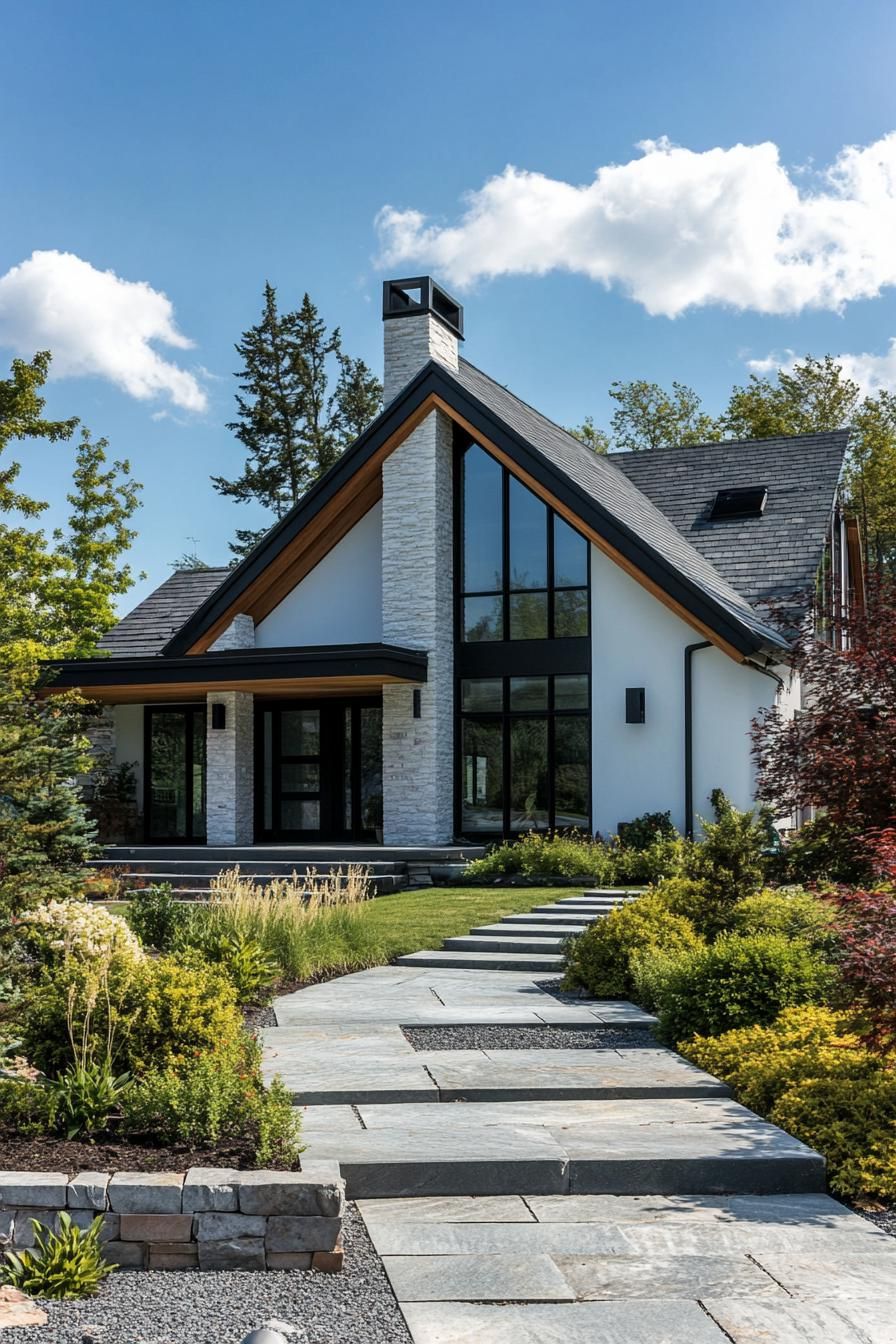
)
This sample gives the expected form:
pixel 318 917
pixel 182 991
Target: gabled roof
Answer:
pixel 595 492
pixel 147 629
pixel 769 558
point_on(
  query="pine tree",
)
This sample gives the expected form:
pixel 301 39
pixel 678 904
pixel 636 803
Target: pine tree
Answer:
pixel 45 835
pixel 292 426
pixel 56 594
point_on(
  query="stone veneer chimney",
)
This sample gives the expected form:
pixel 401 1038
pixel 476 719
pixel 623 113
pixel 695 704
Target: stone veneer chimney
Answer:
pixel 421 322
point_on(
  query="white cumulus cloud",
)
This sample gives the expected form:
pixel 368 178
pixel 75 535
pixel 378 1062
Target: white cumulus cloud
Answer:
pixel 873 372
pixel 677 229
pixel 94 322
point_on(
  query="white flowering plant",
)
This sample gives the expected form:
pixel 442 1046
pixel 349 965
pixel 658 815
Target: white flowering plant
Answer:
pixel 61 929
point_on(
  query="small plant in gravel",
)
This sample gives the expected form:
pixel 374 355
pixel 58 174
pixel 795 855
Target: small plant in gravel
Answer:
pixel 67 1263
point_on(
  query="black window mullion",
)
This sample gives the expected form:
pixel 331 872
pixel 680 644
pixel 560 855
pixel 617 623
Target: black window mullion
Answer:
pixel 505 550
pixel 550 525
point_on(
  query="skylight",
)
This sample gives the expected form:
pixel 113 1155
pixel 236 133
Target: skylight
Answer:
pixel 744 502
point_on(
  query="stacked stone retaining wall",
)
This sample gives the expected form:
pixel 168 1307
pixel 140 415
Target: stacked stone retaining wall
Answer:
pixel 208 1218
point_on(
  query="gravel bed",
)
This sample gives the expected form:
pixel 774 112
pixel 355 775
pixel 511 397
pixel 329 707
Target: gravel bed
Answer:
pixel 529 1038
pixel 196 1307
pixel 885 1219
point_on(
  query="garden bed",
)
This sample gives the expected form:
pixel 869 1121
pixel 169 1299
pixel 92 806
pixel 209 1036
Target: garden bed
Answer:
pixel 51 1153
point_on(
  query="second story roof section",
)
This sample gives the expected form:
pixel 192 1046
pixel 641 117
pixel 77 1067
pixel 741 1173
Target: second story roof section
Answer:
pixel 146 630
pixel 771 556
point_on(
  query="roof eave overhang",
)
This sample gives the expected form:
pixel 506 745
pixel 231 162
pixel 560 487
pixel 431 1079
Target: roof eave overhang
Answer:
pixel 434 386
pixel 338 662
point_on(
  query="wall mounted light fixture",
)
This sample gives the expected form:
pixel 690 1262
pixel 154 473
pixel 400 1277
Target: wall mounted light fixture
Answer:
pixel 219 716
pixel 634 704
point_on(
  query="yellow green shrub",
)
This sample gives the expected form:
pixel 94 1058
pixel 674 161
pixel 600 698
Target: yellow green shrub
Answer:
pixel 852 1121
pixel 599 960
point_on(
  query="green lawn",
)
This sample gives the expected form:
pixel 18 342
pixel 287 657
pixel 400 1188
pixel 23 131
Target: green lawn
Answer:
pixel 411 921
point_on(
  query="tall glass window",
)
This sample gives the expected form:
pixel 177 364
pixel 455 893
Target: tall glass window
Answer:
pixel 524 754
pixel 524 569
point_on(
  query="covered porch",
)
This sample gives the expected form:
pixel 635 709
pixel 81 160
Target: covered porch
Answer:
pixel 252 747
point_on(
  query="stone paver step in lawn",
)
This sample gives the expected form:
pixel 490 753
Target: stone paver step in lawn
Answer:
pixel 775 1269
pixel 488 961
pixel 509 940
pixel 552 914
pixel 516 928
pixel 653 1146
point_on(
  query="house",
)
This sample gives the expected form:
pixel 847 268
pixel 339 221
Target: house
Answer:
pixel 473 626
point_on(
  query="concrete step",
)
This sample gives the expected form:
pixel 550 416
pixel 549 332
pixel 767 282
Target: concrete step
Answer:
pixel 528 930
pixel 616 893
pixel 509 942
pixel 483 961
pixel 319 854
pixel 662 1146
pixel 551 916
pixel 206 868
pixel 573 913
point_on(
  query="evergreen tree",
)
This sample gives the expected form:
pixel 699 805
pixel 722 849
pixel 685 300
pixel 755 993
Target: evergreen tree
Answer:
pixel 56 594
pixel 289 421
pixel 45 836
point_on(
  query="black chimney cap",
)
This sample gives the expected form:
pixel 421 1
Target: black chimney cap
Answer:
pixel 421 294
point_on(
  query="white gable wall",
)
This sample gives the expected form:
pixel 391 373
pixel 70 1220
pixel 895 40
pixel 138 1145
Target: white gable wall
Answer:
pixel 636 768
pixel 340 601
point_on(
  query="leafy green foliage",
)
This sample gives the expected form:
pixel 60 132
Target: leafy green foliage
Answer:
pixel 729 860
pixel 249 967
pixel 157 1012
pixel 737 981
pixel 67 1263
pixel 823 850
pixel 594 438
pixel 599 960
pixel 86 1095
pixel 539 855
pixel 216 1096
pixel 26 1109
pixel 156 917
pixel 45 836
pixel 853 1123
pixel 642 832
pixel 292 426
pixel 793 912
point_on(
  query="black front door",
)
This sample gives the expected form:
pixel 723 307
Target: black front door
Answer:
pixel 174 778
pixel 319 770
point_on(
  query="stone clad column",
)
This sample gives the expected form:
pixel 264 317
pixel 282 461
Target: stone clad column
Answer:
pixel 230 761
pixel 418 806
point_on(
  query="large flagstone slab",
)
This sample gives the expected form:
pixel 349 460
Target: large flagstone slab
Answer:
pixel 690 1277
pixel 450 1209
pixel 750 1321
pixel 640 1322
pixel 472 1278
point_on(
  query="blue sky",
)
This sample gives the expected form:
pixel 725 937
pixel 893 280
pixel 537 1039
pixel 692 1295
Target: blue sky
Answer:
pixel 202 148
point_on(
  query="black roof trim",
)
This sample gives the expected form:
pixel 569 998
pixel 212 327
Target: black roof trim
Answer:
pixel 728 615
pixel 320 661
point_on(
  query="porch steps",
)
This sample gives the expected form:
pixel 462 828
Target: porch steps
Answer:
pixel 189 869
pixel 522 942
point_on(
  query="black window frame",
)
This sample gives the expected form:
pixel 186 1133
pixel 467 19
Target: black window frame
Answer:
pixel 507 658
pixel 506 592
pixel 187 710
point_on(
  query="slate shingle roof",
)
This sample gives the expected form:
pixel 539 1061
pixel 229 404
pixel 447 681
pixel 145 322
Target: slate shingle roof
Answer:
pixel 601 479
pixel 147 629
pixel 768 559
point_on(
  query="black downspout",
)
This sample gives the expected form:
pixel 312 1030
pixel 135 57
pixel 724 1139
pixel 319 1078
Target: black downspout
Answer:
pixel 690 650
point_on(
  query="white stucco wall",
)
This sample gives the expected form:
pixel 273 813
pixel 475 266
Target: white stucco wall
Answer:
pixel 340 601
pixel 637 641
pixel 129 742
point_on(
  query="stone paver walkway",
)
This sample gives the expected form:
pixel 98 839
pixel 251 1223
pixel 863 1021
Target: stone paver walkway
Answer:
pixel 649 1270
pixel 532 1196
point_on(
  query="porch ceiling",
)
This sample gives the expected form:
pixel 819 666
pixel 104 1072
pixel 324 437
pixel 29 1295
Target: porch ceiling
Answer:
pixel 343 669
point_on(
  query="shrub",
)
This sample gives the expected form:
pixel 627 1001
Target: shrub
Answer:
pixel 740 980
pixel 761 1063
pixel 822 851
pixel 248 966
pixel 217 1095
pixel 67 1263
pixel 156 1012
pixel 641 832
pixel 730 858
pixel 853 1123
pixel 689 898
pixel 599 959
pixel 792 911
pixel 663 857
pixel 26 1109
pixel 156 917
pixel 539 854
pixel 61 929
pixel 649 968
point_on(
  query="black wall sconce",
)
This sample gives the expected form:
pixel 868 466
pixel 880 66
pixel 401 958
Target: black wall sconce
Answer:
pixel 219 716
pixel 634 704
pixel 417 705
